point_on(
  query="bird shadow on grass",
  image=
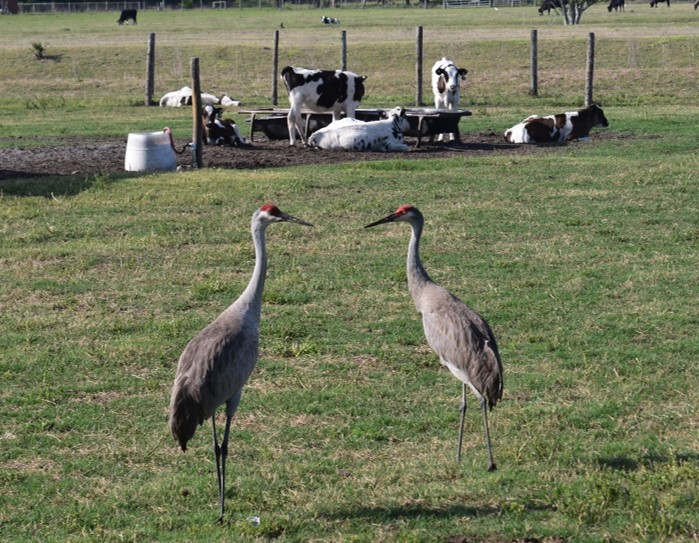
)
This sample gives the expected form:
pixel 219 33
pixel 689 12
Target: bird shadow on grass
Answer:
pixel 624 463
pixel 382 514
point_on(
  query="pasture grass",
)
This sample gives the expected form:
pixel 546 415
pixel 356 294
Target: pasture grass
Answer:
pixel 583 258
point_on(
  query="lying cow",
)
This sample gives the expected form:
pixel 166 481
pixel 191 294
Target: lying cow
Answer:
pixel 218 131
pixel 616 5
pixel 183 97
pixel 446 77
pixel 320 91
pixel 127 15
pixel 329 20
pixel 385 135
pixel 561 127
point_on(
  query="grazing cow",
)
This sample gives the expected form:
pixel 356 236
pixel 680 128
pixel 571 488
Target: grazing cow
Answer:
pixel 218 131
pixel 127 15
pixel 445 86
pixel 320 91
pixel 654 3
pixel 385 135
pixel 329 20
pixel 616 5
pixel 183 97
pixel 548 5
pixel 561 127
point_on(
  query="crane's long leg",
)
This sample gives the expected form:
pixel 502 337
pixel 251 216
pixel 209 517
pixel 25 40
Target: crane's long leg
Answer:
pixel 462 409
pixel 217 454
pixel 484 408
pixel 231 407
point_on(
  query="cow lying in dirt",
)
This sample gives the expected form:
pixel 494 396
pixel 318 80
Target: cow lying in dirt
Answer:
pixel 561 127
pixel 347 134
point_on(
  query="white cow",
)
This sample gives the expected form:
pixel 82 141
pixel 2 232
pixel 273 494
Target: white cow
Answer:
pixel 445 86
pixel 183 97
pixel 385 135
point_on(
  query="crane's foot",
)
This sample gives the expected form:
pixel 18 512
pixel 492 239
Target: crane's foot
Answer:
pixel 220 521
pixel 492 467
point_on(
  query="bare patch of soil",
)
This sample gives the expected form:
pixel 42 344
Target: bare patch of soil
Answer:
pixel 72 156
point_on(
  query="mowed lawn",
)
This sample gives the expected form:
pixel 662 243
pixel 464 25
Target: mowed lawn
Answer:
pixel 582 257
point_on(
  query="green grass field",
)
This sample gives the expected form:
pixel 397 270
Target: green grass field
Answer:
pixel 583 259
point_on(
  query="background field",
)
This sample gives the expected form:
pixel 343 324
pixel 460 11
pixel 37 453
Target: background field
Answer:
pixel 583 258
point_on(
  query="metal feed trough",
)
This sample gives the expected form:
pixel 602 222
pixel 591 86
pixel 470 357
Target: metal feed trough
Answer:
pixel 423 122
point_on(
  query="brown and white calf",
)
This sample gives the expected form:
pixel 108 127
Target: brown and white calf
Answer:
pixel 218 131
pixel 561 127
pixel 320 91
pixel 446 77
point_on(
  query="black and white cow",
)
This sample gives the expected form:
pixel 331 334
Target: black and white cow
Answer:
pixel 548 5
pixel 218 131
pixel 320 91
pixel 127 15
pixel 385 135
pixel 616 5
pixel 446 77
pixel 329 20
pixel 654 3
pixel 561 127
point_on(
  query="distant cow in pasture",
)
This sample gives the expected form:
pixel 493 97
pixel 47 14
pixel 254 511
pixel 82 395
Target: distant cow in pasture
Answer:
pixel 616 5
pixel 329 20
pixel 446 77
pixel 320 91
pixel 385 135
pixel 548 5
pixel 654 3
pixel 557 128
pixel 183 97
pixel 127 15
pixel 218 131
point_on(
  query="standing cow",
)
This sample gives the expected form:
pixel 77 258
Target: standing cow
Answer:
pixel 654 3
pixel 446 77
pixel 616 5
pixel 320 91
pixel 128 15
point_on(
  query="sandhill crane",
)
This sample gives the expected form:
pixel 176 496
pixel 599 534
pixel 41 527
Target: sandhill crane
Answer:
pixel 461 337
pixel 216 364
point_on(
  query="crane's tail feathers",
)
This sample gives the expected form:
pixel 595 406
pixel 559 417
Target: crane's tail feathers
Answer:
pixel 184 418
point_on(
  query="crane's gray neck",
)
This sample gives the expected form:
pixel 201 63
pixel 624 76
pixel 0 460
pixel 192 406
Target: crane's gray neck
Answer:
pixel 417 276
pixel 252 295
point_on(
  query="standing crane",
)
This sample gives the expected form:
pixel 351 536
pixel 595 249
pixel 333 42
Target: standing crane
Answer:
pixel 461 337
pixel 216 364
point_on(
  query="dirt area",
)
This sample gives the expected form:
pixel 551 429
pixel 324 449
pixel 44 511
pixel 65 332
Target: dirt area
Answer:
pixel 83 156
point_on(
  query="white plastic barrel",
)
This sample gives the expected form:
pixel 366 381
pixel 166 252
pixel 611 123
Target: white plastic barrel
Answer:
pixel 149 151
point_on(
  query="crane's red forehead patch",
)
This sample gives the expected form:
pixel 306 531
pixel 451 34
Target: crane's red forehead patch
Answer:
pixel 402 210
pixel 271 209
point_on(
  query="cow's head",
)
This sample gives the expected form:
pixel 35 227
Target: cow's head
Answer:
pixel 598 118
pixel 449 77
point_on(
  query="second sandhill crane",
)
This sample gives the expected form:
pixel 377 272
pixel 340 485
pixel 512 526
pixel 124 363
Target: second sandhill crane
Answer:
pixel 461 338
pixel 216 364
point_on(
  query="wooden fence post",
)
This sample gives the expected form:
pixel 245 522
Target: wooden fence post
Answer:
pixel 275 67
pixel 534 88
pixel 150 70
pixel 343 39
pixel 418 68
pixel 196 113
pixel 590 68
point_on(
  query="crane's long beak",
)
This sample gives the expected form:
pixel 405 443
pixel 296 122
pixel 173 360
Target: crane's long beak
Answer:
pixel 390 218
pixel 290 218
